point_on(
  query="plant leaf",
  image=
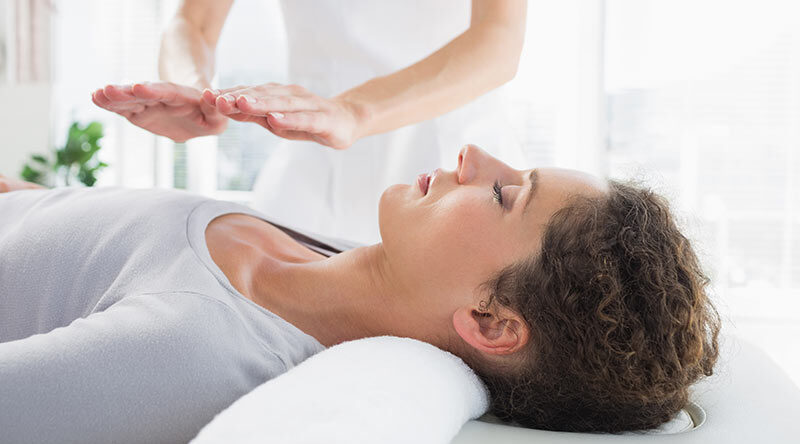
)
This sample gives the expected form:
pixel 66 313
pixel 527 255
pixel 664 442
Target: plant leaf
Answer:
pixel 39 158
pixel 29 174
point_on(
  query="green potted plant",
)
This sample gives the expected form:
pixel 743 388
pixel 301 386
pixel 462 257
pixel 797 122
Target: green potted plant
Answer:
pixel 76 161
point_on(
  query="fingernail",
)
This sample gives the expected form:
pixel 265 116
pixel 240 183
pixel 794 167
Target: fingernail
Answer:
pixel 248 98
pixel 228 98
pixel 276 115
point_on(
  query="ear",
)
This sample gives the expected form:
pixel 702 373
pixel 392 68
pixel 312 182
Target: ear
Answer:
pixel 502 333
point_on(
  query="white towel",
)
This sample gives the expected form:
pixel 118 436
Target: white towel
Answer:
pixel 375 390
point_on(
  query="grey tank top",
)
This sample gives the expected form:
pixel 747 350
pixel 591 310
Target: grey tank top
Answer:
pixel 115 323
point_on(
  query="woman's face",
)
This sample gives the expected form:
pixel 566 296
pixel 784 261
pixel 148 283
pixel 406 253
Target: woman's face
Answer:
pixel 450 231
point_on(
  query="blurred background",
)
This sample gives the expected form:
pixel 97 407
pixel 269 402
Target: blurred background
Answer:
pixel 700 98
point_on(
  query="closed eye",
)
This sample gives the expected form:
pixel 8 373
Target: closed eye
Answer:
pixel 497 192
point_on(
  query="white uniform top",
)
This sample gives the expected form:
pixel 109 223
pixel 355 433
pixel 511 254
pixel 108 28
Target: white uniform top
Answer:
pixel 335 45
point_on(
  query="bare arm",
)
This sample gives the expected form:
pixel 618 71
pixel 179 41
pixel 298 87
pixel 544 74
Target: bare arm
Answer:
pixel 482 58
pixel 190 40
pixel 8 184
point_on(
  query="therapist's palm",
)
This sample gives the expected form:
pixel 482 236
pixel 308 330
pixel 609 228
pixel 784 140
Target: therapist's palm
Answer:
pixel 163 108
pixel 289 111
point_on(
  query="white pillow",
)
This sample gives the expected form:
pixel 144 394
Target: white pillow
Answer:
pixel 375 390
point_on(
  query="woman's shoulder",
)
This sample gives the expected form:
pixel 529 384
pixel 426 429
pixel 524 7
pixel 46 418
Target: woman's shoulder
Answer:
pixel 225 323
pixel 101 199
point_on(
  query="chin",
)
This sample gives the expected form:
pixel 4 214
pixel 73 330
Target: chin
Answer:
pixel 390 208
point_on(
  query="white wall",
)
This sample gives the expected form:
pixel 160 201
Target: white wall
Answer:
pixel 24 124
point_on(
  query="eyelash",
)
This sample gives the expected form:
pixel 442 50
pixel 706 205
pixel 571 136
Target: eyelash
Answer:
pixel 497 191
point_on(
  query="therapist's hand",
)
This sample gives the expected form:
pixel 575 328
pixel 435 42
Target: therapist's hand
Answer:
pixel 164 108
pixel 291 112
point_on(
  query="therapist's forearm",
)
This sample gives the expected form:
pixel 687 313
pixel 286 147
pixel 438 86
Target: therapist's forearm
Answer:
pixel 479 60
pixel 185 57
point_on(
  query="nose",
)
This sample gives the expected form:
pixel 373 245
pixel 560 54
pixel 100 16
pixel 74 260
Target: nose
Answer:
pixel 469 160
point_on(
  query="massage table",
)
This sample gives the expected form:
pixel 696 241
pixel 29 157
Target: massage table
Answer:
pixel 749 399
pixel 399 391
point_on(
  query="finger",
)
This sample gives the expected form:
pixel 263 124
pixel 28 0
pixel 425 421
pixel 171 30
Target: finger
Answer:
pixel 263 105
pixel 118 93
pixel 100 99
pixel 235 88
pixel 136 108
pixel 309 122
pixel 143 91
pixel 167 93
pixel 210 96
pixel 268 89
pixel 226 104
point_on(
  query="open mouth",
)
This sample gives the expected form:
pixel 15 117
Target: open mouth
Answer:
pixel 424 180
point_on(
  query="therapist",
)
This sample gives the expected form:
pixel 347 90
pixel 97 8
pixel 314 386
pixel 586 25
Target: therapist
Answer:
pixel 392 88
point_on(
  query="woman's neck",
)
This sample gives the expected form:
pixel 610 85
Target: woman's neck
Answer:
pixel 348 296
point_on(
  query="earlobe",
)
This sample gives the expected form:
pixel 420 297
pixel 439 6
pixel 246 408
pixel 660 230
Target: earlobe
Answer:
pixel 489 333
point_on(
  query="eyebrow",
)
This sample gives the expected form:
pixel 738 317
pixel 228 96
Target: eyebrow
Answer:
pixel 534 178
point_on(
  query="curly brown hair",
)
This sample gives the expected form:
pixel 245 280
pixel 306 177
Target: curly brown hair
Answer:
pixel 620 321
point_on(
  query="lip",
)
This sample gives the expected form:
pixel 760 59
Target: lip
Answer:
pixel 424 180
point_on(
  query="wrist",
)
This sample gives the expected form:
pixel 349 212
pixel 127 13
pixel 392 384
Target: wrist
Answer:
pixel 361 112
pixel 185 58
pixel 201 84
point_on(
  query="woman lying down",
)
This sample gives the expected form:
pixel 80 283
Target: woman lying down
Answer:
pixel 137 315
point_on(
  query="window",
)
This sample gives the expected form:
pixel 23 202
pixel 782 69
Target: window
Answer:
pixel 251 51
pixel 556 98
pixel 716 115
pixel 705 96
pixel 99 42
